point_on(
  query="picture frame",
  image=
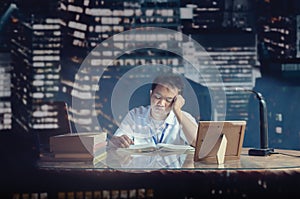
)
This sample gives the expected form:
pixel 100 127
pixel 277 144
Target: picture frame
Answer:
pixel 209 138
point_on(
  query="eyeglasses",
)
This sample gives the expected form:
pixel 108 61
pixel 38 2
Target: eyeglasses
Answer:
pixel 159 97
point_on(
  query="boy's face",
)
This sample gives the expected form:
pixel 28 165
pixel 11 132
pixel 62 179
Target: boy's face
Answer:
pixel 161 99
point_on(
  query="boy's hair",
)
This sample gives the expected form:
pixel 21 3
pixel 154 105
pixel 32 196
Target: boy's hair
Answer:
pixel 174 81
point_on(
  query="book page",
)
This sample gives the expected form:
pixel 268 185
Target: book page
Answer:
pixel 142 147
pixel 160 146
pixel 174 147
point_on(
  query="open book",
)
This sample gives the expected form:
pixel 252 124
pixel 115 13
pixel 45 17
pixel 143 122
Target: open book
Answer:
pixel 160 146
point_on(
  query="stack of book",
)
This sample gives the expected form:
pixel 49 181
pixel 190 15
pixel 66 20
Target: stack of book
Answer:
pixel 85 147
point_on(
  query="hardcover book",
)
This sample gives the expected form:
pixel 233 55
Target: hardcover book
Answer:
pixel 72 158
pixel 77 142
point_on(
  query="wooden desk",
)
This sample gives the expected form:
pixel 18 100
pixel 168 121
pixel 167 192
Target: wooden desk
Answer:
pixel 250 177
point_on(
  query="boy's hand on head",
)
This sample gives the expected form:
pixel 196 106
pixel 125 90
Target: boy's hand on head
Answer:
pixel 178 103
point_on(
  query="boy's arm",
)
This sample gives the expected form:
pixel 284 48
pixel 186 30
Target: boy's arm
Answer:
pixel 189 126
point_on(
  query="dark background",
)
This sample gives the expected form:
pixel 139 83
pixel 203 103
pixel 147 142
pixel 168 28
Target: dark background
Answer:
pixel 281 89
